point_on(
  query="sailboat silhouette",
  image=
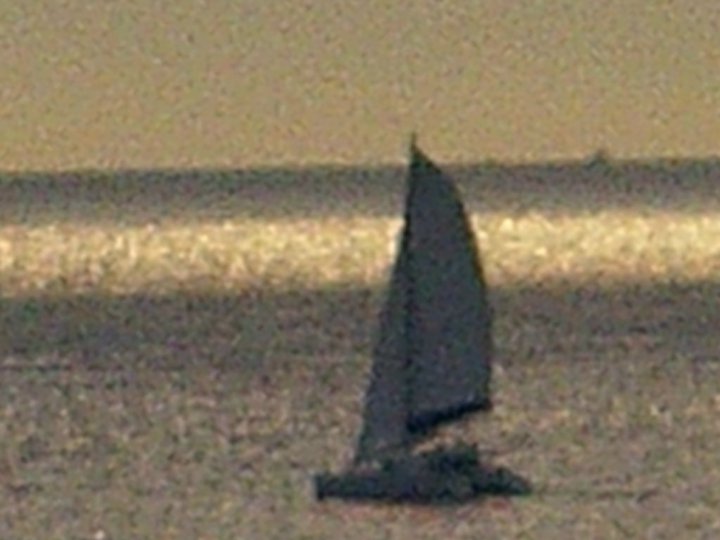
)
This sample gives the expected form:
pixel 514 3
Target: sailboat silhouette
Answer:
pixel 432 362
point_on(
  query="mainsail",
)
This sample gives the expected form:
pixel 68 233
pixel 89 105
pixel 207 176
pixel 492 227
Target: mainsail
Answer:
pixel 432 362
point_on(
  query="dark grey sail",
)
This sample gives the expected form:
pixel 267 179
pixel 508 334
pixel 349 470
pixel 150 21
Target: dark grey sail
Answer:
pixel 432 363
pixel 385 430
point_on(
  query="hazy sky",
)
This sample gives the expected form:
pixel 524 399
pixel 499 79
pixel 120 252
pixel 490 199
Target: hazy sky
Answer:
pixel 135 83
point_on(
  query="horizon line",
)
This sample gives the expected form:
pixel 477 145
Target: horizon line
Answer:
pixel 598 156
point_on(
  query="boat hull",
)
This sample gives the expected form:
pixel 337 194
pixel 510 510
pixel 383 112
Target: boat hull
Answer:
pixel 441 476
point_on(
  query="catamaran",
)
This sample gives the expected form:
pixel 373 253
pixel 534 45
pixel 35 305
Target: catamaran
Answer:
pixel 432 362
